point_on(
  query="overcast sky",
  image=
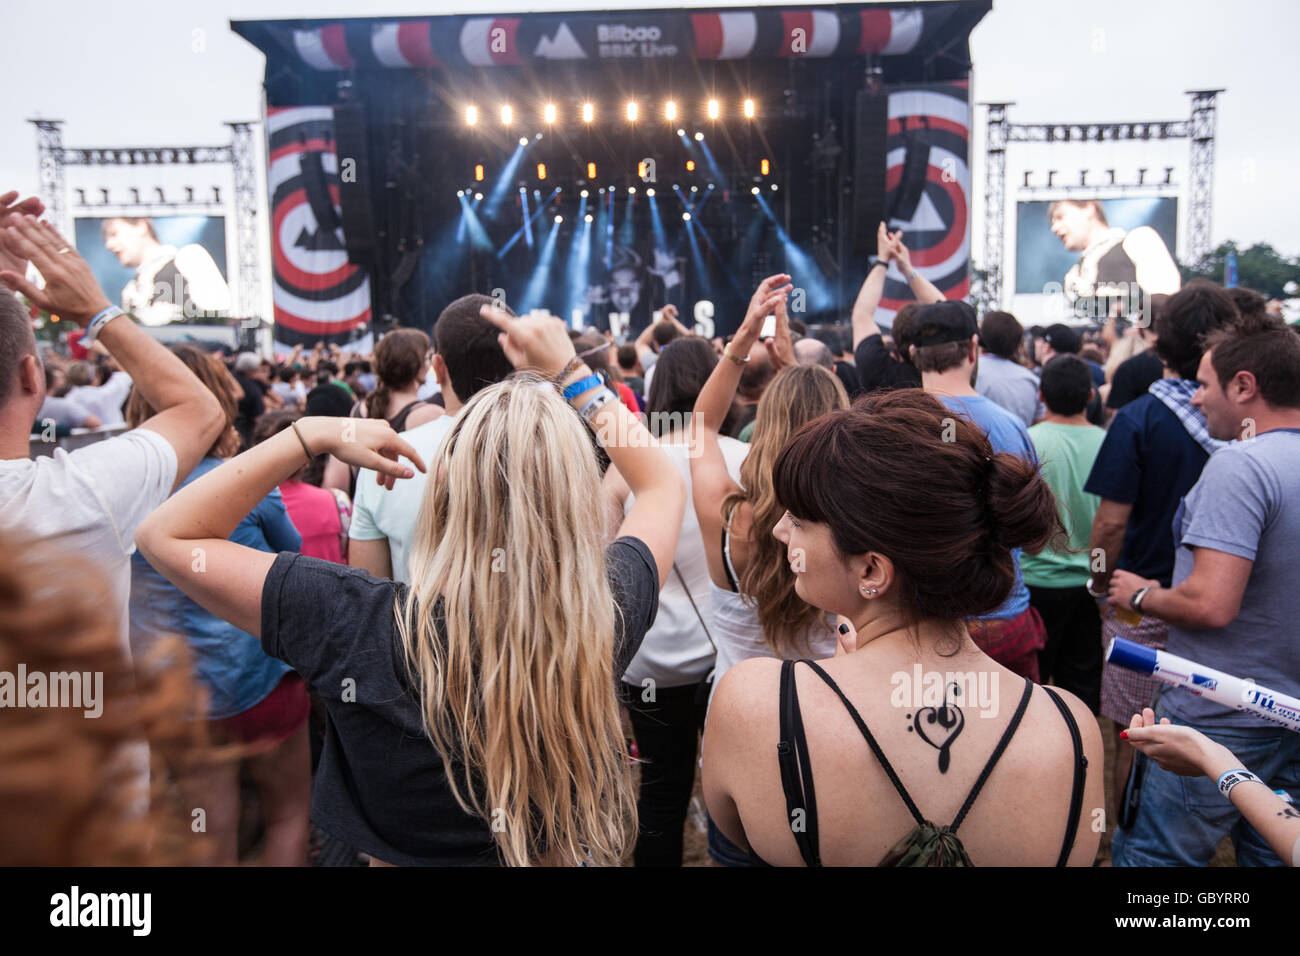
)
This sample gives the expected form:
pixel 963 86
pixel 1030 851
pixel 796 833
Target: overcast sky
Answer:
pixel 132 73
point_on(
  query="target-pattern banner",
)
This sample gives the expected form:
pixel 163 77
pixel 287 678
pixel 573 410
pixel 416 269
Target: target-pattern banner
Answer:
pixel 317 293
pixel 934 117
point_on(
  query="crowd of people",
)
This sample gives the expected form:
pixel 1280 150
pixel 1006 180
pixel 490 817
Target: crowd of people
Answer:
pixel 506 594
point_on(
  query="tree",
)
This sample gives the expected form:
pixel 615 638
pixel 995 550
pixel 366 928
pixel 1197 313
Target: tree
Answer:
pixel 1260 267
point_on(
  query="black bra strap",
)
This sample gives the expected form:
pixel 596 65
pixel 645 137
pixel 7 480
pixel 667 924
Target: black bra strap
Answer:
pixel 796 771
pixel 871 742
pixel 1080 775
pixel 997 755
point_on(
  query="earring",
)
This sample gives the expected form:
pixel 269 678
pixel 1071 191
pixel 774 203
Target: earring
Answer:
pixel 871 591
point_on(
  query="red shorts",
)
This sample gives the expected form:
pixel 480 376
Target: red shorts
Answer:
pixel 275 719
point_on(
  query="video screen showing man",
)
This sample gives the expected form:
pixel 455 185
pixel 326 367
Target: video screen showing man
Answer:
pixel 634 288
pixel 1113 262
pixel 170 284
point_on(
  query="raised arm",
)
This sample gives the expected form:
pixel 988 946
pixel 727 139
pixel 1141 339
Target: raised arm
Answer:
pixel 926 292
pixel 873 287
pixel 188 415
pixel 185 539
pixel 541 343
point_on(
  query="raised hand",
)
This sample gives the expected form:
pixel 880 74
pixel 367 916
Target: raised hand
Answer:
pixel 900 254
pixel 771 290
pixel 70 288
pixel 884 244
pixel 10 210
pixel 780 348
pixel 537 342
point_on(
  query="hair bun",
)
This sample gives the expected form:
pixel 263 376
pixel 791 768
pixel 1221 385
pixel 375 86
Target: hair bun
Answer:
pixel 1020 503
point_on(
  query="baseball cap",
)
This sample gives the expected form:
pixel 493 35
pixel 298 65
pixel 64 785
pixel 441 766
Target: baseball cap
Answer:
pixel 1063 339
pixel 944 322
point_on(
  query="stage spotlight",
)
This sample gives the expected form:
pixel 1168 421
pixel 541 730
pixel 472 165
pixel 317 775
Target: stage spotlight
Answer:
pixel 548 114
pixel 523 140
pixel 591 172
pixel 631 190
pixel 559 219
pixel 754 190
pixel 478 173
pixel 774 187
pixel 690 165
pixel 670 110
pixel 698 137
pixel 764 167
pixel 695 189
pixel 650 192
pixel 681 132
pixel 749 109
pixel 541 170
pixel 587 218
pixel 471 115
pixel 631 112
pixel 714 109
pixel 583 194
pixel 507 114
pixel 478 197
pixel 686 217
pixel 588 112
pixel 710 185
pixel 460 193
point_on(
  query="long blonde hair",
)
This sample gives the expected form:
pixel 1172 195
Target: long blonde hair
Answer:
pixel 796 396
pixel 518 696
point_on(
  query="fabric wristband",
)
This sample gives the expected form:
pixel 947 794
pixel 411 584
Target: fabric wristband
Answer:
pixel 602 399
pixel 1230 778
pixel 577 388
pixel 98 322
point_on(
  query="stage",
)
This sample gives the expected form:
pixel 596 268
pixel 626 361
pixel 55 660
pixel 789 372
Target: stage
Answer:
pixel 600 164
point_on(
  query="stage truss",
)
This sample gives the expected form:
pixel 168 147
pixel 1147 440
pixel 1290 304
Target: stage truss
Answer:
pixel 53 158
pixel 1199 129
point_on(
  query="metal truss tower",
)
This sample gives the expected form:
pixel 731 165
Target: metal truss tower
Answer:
pixel 1199 129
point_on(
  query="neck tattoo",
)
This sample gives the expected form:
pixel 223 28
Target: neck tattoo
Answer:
pixel 940 726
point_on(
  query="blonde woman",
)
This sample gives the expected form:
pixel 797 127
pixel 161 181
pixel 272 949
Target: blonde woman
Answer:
pixel 473 716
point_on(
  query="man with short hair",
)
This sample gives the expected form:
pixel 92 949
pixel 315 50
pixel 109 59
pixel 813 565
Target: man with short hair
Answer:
pixel 1235 595
pixel 1000 377
pixel 467 359
pixel 945 349
pixel 629 365
pixel 1067 445
pixel 1151 457
pixel 1060 339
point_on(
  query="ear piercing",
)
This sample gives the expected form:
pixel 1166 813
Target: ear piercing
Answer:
pixel 870 591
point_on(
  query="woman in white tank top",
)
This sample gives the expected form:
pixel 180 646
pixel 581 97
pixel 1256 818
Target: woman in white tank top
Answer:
pixel 755 610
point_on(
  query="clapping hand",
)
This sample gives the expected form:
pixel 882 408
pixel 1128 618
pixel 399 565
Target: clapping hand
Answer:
pixel 70 288
pixel 770 291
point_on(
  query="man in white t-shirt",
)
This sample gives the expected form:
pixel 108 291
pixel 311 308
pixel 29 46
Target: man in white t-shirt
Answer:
pixel 92 499
pixel 467 359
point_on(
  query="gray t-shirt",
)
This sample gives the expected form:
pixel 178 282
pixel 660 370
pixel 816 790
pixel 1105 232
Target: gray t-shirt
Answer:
pixel 1011 385
pixel 1247 503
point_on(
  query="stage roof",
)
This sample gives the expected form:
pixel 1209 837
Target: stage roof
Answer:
pixel 934 34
